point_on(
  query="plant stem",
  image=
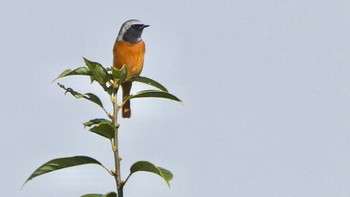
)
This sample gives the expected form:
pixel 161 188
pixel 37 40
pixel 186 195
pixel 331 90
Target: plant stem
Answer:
pixel 115 147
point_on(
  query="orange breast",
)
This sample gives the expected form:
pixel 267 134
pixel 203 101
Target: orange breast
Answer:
pixel 130 55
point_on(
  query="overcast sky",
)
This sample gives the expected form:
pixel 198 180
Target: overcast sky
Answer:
pixel 265 85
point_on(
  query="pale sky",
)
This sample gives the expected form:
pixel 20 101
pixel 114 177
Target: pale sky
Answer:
pixel 265 85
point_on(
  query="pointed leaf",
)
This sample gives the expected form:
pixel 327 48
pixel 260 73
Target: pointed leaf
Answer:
pixel 145 166
pixel 61 163
pixel 92 195
pixel 120 74
pixel 77 71
pixel 104 129
pixel 154 94
pixel 93 98
pixel 96 121
pixel 101 127
pixel 110 194
pixel 99 73
pixel 148 81
pixel 88 96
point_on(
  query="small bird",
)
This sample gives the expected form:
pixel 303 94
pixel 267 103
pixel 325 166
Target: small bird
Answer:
pixel 129 50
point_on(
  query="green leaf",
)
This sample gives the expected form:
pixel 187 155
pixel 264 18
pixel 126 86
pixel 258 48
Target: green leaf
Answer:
pixel 145 166
pixel 78 71
pixel 101 127
pixel 148 81
pixel 93 98
pixel 110 194
pixel 88 96
pixel 99 73
pixel 92 195
pixel 120 74
pixel 61 163
pixel 96 121
pixel 104 129
pixel 154 94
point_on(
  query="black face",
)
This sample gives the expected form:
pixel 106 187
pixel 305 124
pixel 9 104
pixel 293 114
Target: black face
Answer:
pixel 133 34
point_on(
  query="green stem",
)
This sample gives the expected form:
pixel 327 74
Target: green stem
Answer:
pixel 115 147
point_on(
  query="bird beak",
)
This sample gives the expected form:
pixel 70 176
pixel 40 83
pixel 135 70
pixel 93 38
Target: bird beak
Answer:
pixel 144 26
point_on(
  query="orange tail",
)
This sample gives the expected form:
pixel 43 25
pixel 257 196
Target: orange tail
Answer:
pixel 126 111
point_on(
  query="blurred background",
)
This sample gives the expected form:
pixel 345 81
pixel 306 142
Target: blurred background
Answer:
pixel 265 86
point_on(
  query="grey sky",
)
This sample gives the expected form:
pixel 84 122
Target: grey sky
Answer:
pixel 265 85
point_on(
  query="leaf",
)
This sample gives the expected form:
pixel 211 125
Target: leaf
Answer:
pixel 154 94
pixel 93 98
pixel 110 194
pixel 101 127
pixel 92 195
pixel 88 96
pixel 145 166
pixel 99 73
pixel 104 129
pixel 61 163
pixel 77 71
pixel 96 121
pixel 148 81
pixel 120 74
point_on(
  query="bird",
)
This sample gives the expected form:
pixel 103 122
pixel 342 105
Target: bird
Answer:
pixel 129 51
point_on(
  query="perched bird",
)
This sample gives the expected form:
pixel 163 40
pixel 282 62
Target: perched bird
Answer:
pixel 129 50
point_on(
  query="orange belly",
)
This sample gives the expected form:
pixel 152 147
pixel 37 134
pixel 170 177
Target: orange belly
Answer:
pixel 130 55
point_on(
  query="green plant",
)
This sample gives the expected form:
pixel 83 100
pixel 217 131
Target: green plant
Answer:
pixel 110 80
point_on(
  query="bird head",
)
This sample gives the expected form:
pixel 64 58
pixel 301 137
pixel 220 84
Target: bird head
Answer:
pixel 131 31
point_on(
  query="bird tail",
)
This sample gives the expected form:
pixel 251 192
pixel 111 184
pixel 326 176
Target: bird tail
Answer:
pixel 126 111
